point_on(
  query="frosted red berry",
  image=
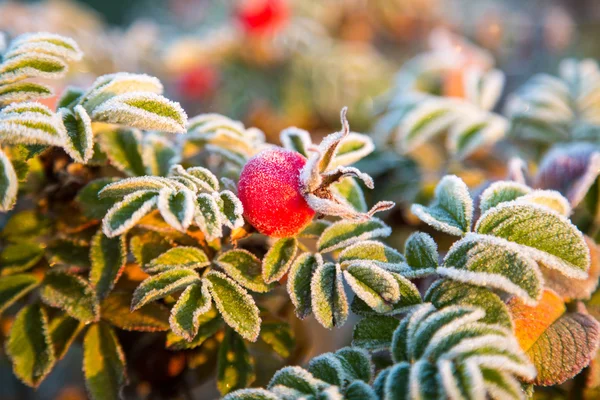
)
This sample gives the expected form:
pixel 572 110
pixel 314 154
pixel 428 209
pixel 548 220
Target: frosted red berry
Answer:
pixel 260 17
pixel 269 190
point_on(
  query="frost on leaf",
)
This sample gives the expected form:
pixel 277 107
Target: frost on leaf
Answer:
pixel 123 147
pixel 158 286
pixel 178 257
pixel 278 259
pixel 299 282
pixel 421 255
pixel 376 252
pixel 208 216
pixel 559 343
pixel 193 302
pixel 72 294
pixel 177 208
pixel 31 123
pixel 296 139
pixel 451 352
pixel 79 140
pixel 9 183
pixel 235 305
pixel 501 192
pixel 126 213
pixel 108 257
pixel 245 268
pixel 143 110
pixel 14 287
pixel 344 233
pixel 452 208
pixel 375 286
pixel 328 299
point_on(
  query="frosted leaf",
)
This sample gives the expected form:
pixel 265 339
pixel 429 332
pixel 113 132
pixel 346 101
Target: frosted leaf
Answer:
pixel 143 110
pixel 235 305
pixel 475 132
pixel 296 139
pixel 123 147
pixel 396 382
pixel 177 208
pixel 297 379
pixel 208 216
pixel 79 143
pixel 278 259
pixel 32 65
pixel 328 368
pixel 482 260
pixel 548 198
pixel 108 86
pixel 161 285
pixel 69 97
pixel 374 333
pixel 501 192
pixel 484 88
pixel 107 257
pixel 544 235
pixel 245 268
pixel 350 191
pixel 158 154
pixel 354 147
pixel 360 390
pixel 376 252
pixel 127 186
pixel 299 282
pixel 9 184
pixel 328 299
pixel 452 208
pixel 231 209
pixel 203 178
pixel 344 233
pixel 251 394
pixel 31 124
pixel 178 257
pixel 375 286
pixel 70 293
pixel 23 91
pixel 126 213
pixel 421 254
pixel 185 315
pixel 208 123
pixel 315 228
pixel 46 43
pixel 409 297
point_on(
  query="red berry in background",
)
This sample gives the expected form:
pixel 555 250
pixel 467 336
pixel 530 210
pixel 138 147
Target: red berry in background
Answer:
pixel 197 83
pixel 259 17
pixel 269 189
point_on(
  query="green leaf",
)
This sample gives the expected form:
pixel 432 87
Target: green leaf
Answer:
pixel 69 97
pixel 177 208
pixel 421 254
pixel 493 262
pixel 328 368
pixel 235 367
pixel 452 208
pixel 79 143
pixel 159 155
pixel 346 232
pixel 278 259
pixel 208 216
pixel 142 110
pixel 126 213
pixel 245 268
pixel 375 286
pixel 148 246
pixel 91 204
pixel 68 254
pixel 9 183
pixel 376 252
pixel 279 336
pixel 296 379
pixel 501 192
pixel 178 257
pixel 231 209
pixel 373 333
pixel 185 315
pixel 44 43
pixel 202 178
pixel 353 148
pixel 251 394
pixel 124 150
pixel 108 257
pixel 63 332
pixel 29 345
pixel 209 323
pixel 328 299
pixel 31 65
pixel 103 363
pixel 151 317
pixel 443 293
pixel 360 391
pixel 349 190
pixel 235 305
pixel 296 139
pixel 356 362
pixel 299 280
pixel 20 257
pixel 25 226
pixel 123 187
pixel 315 229
pixel 23 91
pixel 547 237
pixel 158 286
pixel 14 287
pixel 72 294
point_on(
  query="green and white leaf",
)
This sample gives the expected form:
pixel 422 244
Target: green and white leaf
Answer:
pixel 185 315
pixel 375 286
pixel 452 208
pixel 31 123
pixel 328 299
pixel 501 192
pixel 296 139
pixel 63 332
pixel 31 65
pixel 72 294
pixel 9 183
pixel 354 147
pixel 152 317
pixel 350 191
pixel 378 253
pixel 278 259
pixel 158 286
pixel 24 91
pixel 124 187
pixel 158 154
pixel 126 213
pixel 177 208
pixel 142 110
pixel 374 333
pixel 208 216
pixel 178 257
pixel 108 257
pixel 79 140
pixel 245 268
pixel 347 232
pixel 421 255
pixel 123 147
pixel 45 43
pixel 235 305
pixel 232 209
pixel 299 282
pixel 29 345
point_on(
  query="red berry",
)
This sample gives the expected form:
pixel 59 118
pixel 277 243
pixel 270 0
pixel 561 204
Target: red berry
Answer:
pixel 259 17
pixel 197 83
pixel 269 189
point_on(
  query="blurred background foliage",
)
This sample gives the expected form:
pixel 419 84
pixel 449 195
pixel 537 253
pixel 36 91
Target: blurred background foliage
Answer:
pixel 293 63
